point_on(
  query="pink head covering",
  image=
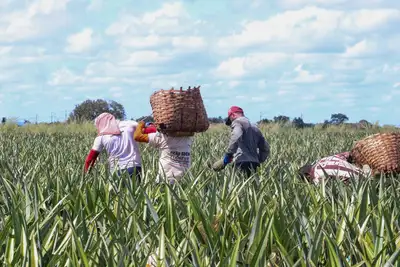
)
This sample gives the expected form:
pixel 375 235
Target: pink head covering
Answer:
pixel 106 124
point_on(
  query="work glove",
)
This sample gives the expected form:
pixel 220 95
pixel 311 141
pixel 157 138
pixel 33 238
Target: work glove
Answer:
pixel 227 159
pixel 218 165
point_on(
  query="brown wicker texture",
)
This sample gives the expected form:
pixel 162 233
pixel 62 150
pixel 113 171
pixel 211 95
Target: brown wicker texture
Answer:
pixel 380 151
pixel 179 111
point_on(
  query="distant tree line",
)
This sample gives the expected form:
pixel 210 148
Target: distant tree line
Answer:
pixel 88 110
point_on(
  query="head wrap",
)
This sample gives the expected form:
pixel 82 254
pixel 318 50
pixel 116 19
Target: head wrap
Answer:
pixel 106 124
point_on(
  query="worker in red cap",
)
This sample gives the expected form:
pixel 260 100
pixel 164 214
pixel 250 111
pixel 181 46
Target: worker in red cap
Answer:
pixel 244 142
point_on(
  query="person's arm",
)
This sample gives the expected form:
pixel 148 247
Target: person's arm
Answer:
pixel 91 159
pixel 263 149
pixel 93 153
pixel 138 135
pixel 233 145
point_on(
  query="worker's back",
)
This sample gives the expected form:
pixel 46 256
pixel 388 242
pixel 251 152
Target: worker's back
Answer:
pixel 122 149
pixel 250 142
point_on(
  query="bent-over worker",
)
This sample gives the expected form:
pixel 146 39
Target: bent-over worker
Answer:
pixel 336 166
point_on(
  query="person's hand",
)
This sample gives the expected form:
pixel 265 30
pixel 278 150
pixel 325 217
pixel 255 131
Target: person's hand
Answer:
pixel 218 165
pixel 227 159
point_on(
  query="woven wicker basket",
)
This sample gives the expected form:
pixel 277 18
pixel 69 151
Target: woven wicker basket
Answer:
pixel 179 112
pixel 380 151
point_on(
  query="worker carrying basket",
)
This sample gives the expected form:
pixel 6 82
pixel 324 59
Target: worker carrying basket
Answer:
pixel 179 112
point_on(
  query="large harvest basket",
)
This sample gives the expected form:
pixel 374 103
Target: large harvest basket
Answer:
pixel 380 151
pixel 179 112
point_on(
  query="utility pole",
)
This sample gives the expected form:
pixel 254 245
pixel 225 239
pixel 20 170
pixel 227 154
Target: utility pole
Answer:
pixel 36 118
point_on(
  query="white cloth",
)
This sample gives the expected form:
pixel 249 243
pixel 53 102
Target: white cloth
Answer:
pixel 123 151
pixel 175 157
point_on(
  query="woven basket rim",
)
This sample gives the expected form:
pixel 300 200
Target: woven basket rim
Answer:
pixel 373 137
pixel 172 90
pixel 369 149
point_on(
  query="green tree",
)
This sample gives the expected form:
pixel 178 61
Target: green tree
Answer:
pixel 216 119
pixel 281 119
pixel 298 123
pixel 338 118
pixel 264 121
pixel 88 110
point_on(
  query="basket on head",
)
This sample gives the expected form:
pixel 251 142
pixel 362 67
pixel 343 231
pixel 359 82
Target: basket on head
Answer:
pixel 180 111
pixel 380 151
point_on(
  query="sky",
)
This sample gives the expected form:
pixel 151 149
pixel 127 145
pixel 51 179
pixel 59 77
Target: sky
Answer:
pixel 271 57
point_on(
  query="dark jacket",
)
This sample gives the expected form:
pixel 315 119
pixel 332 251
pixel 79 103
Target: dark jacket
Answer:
pixel 247 144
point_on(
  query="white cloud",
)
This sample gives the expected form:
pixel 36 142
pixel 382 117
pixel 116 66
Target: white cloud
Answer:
pixel 80 42
pixel 4 3
pixel 46 7
pixel 306 27
pixel 233 67
pixel 391 94
pixel 148 41
pixel 170 25
pixel 388 69
pixel 300 75
pixel 309 97
pixel 28 103
pixel 145 58
pixel 396 85
pixel 188 42
pixel 338 3
pixel 30 22
pixel 258 99
pixel 387 98
pixel 4 50
pixel 283 92
pixel 305 76
pixel 100 75
pixel 347 99
pixel 360 49
pixel 64 77
pixel 240 66
pixel 116 92
pixel 162 21
pixel 233 84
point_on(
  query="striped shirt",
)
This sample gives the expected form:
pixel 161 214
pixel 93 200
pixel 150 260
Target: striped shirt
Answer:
pixel 335 166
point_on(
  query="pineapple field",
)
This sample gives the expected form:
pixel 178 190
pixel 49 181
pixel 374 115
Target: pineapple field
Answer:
pixel 52 214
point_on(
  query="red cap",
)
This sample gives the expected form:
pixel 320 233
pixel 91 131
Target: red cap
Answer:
pixel 234 109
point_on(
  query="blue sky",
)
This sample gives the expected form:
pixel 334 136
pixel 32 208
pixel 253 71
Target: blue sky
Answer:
pixel 290 57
